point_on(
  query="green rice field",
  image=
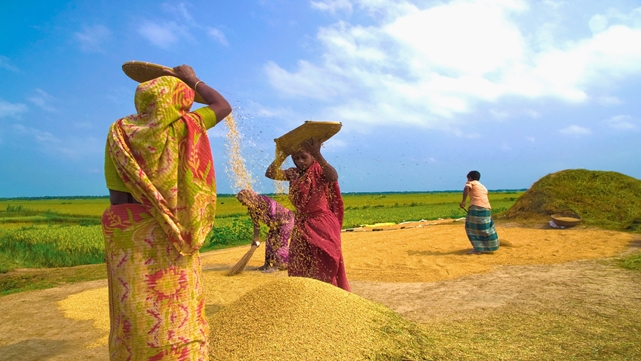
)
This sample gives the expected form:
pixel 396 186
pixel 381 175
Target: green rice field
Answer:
pixel 62 232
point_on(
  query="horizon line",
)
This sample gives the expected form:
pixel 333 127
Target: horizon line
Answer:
pixel 268 194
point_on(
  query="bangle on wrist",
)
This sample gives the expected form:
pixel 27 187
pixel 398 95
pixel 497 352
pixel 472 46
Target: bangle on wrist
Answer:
pixel 198 82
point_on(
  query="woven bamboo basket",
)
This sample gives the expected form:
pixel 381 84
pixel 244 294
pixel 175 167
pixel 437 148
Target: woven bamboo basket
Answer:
pixel 566 219
pixel 141 71
pixel 290 142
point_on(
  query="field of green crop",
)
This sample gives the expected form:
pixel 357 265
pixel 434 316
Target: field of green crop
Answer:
pixel 36 233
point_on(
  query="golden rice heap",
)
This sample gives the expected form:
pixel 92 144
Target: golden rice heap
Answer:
pixel 304 319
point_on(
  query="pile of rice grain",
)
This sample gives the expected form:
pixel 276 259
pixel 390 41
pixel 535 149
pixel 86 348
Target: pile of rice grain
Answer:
pixel 304 319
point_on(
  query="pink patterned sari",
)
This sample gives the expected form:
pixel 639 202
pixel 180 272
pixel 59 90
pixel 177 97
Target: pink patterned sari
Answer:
pixel 315 246
pixel 156 300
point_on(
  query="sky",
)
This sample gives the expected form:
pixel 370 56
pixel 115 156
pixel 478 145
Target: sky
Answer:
pixel 425 90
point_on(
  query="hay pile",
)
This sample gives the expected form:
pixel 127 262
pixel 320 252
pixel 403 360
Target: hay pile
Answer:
pixel 608 200
pixel 303 319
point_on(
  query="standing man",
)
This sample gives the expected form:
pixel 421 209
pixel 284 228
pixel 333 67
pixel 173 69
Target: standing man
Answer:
pixel 479 224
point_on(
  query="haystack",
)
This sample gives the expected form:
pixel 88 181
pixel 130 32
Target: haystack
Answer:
pixel 303 319
pixel 608 200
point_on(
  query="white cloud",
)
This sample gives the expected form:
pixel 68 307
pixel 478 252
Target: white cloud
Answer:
pixel 218 36
pixel 473 136
pixel 167 33
pixel 608 100
pixel 179 9
pixel 431 64
pixel 575 130
pixel 163 36
pixel 507 114
pixel 598 23
pixel 70 147
pixel 5 63
pixel 295 85
pixel 271 112
pixel 333 6
pixel 38 135
pixel 622 122
pixel 11 109
pixel 500 114
pixel 460 38
pixel 92 38
pixel 43 100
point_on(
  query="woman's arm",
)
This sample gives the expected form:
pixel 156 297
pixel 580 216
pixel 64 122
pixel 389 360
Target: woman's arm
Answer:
pixel 312 146
pixel 214 100
pixel 256 234
pixel 255 218
pixel 274 171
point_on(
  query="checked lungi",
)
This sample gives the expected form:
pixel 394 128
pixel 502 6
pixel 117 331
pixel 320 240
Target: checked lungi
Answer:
pixel 480 229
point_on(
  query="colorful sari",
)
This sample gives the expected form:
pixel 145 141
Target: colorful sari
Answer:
pixel 480 229
pixel 156 298
pixel 280 221
pixel 315 246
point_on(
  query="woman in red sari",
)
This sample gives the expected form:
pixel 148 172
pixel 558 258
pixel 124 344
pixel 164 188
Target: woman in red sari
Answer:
pixel 315 245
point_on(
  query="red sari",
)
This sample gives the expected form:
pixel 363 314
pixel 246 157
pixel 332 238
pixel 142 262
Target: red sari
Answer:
pixel 315 246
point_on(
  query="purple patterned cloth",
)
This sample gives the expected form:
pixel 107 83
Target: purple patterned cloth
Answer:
pixel 280 221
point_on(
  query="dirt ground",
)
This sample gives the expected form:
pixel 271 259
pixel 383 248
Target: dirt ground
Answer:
pixel 421 271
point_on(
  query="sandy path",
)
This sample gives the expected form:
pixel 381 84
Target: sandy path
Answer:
pixel 33 328
pixel 422 273
pixel 528 287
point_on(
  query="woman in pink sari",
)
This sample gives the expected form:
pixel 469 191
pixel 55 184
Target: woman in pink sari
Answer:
pixel 160 175
pixel 315 245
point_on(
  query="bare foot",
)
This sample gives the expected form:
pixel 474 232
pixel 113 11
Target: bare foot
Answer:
pixel 473 252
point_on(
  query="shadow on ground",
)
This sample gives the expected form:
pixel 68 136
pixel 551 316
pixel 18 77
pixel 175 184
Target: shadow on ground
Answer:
pixel 33 349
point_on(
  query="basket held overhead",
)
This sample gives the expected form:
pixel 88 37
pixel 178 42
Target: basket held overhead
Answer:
pixel 142 71
pixel 290 142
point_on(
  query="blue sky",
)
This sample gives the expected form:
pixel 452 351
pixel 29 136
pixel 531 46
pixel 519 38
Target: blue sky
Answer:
pixel 426 90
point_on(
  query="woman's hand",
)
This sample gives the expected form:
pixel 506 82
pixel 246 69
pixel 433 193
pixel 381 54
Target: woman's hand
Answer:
pixel 311 146
pixel 183 72
pixel 273 170
pixel 214 100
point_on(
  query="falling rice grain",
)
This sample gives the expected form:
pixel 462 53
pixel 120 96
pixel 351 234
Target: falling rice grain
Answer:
pixel 241 177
